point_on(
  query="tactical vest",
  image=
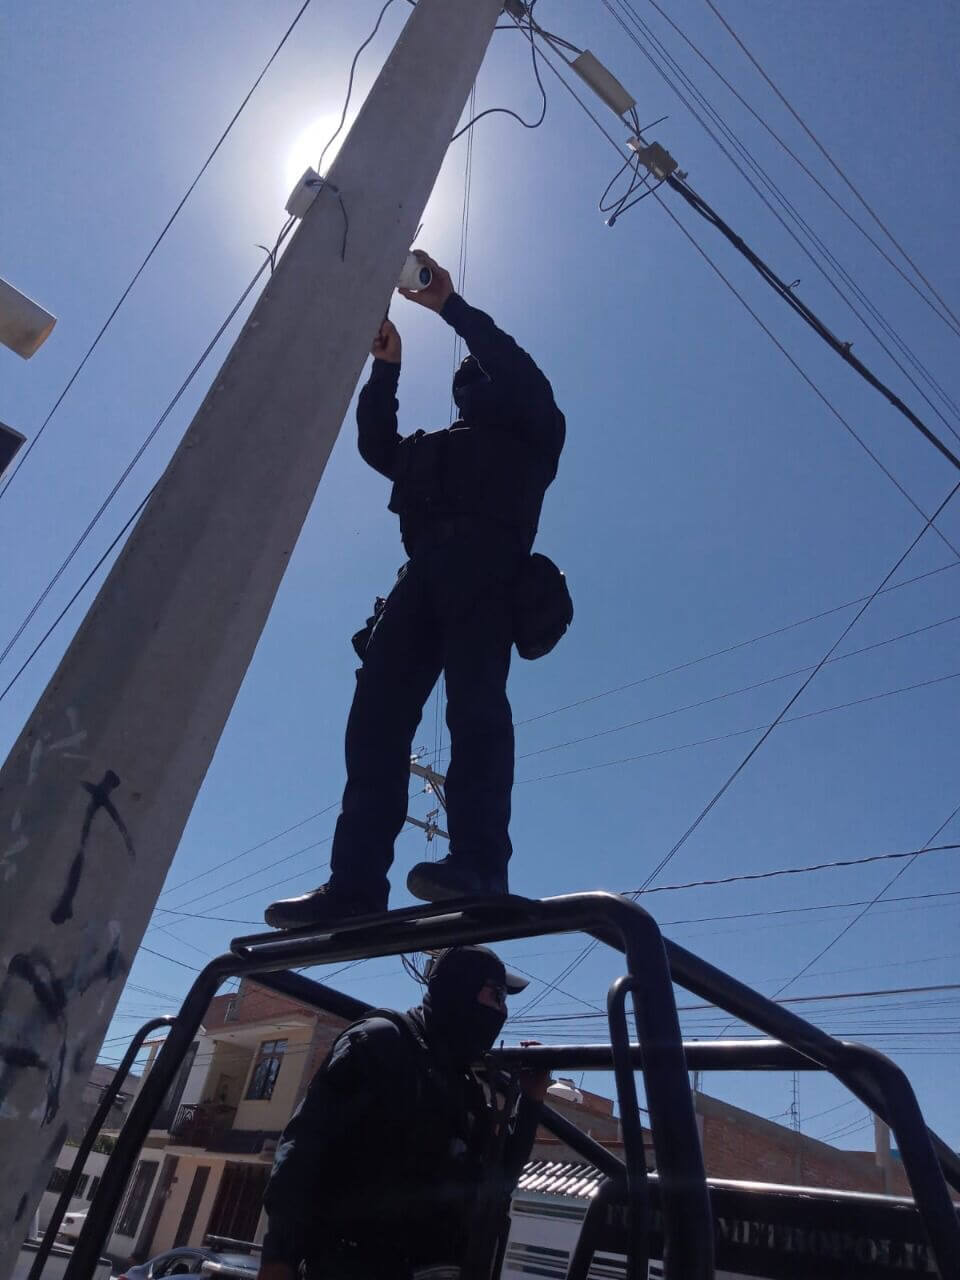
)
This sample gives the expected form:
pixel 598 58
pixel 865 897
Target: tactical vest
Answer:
pixel 420 1193
pixel 483 472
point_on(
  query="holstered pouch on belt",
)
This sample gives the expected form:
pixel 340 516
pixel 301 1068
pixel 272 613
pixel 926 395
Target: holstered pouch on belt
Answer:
pixel 542 607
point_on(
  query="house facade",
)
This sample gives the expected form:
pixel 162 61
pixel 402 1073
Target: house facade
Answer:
pixel 204 1167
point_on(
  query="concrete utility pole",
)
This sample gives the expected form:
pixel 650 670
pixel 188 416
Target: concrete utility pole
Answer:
pixel 97 790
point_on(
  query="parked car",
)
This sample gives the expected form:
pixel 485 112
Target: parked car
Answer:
pixel 193 1260
pixel 71 1226
pixel 231 1266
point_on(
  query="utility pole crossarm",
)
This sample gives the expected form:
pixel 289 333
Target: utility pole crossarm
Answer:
pixel 96 792
pixel 435 781
pixel 429 827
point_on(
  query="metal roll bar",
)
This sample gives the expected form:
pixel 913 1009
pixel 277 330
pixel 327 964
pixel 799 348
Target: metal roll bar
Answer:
pixel 653 964
pixel 688 1225
pixel 89 1138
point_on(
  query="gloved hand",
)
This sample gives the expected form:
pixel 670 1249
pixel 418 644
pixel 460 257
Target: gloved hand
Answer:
pixel 534 1084
pixel 437 291
pixel 386 345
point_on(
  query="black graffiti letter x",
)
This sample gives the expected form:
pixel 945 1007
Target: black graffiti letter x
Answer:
pixel 99 799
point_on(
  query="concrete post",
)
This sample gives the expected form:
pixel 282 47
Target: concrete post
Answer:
pixel 96 792
pixel 882 1153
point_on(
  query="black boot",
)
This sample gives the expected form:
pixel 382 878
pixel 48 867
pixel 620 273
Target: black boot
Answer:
pixel 453 878
pixel 323 906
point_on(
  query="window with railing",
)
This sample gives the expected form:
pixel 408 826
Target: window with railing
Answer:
pixel 168 1107
pixel 58 1180
pixel 198 1124
pixel 266 1069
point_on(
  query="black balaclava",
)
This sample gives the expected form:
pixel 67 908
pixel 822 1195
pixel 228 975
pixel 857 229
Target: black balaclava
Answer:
pixel 455 1021
pixel 479 399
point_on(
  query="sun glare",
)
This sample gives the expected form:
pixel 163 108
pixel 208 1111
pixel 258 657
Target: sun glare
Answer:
pixel 304 151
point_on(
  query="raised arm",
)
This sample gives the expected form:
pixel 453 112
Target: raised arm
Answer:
pixel 499 354
pixel 377 404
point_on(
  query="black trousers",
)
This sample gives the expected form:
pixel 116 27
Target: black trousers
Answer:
pixel 450 611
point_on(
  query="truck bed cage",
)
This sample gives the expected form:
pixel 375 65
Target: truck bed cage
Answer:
pixel 684 1218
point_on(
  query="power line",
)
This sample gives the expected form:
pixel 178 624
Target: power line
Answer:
pixel 739 733
pixel 559 1018
pixel 732 693
pixel 731 648
pixel 783 290
pixel 177 910
pixel 156 244
pixel 274 883
pixel 833 409
pixel 160 928
pixel 209 893
pixel 839 1107
pixel 76 595
pixel 868 906
pixel 149 991
pixel 928 523
pixel 830 160
pixel 679 843
pixel 780 287
pixel 438 706
pixel 915 960
pixel 349 93
pixel 270 261
pixel 826 998
pixel 702 884
pixel 847 1131
pixel 793 871
pixel 252 849
pixel 568 706
pixel 506 110
pixel 243 852
pixel 806 169
pixel 159 954
pixel 128 469
pixel 844 422
pixel 262 888
pixel 761 875
pixel 238 999
pixel 835 265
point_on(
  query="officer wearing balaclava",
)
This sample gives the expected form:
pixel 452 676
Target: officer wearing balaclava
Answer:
pixel 468 498
pixel 377 1173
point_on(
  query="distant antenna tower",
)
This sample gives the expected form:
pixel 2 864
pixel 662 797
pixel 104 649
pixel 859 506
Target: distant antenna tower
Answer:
pixel 795 1103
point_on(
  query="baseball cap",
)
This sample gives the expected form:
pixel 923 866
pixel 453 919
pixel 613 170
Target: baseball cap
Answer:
pixel 513 982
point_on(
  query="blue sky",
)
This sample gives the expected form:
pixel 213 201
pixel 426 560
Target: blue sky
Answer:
pixel 706 495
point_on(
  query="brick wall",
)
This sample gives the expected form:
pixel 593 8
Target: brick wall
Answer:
pixel 252 1003
pixel 594 1115
pixel 737 1144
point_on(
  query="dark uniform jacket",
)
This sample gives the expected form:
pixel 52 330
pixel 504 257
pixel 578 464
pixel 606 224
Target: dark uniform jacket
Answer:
pixel 378 1169
pixel 493 472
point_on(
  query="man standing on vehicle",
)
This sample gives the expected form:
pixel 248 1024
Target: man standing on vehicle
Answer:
pixel 469 499
pixel 380 1172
